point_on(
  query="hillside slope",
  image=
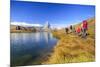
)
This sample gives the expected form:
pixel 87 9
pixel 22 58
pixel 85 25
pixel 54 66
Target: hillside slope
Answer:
pixel 72 49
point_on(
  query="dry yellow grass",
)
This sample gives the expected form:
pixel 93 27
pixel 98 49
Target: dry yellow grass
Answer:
pixel 73 49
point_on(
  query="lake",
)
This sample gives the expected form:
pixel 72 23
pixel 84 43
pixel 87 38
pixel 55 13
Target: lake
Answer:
pixel 31 48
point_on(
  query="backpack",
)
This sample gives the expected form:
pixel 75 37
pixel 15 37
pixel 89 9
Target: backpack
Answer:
pixel 85 24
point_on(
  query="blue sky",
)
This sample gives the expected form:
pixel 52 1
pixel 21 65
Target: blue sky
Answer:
pixel 55 14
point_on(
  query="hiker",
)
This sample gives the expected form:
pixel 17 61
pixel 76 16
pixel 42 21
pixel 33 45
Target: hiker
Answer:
pixel 78 31
pixel 81 29
pixel 84 28
pixel 73 29
pixel 66 29
pixel 70 28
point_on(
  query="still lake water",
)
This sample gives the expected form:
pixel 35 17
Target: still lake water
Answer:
pixel 29 48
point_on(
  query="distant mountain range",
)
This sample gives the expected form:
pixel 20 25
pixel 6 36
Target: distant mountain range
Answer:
pixel 21 28
pixel 26 27
pixel 17 27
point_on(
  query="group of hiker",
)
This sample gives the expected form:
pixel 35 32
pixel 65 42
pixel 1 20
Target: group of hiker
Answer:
pixel 80 30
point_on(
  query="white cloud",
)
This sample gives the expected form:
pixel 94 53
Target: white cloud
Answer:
pixel 25 24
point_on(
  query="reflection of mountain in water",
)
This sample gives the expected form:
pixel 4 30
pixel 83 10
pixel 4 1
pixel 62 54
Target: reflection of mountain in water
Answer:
pixel 37 45
pixel 47 36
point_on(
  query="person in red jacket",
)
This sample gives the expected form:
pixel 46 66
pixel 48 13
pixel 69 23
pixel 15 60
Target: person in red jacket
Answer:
pixel 84 28
pixel 78 30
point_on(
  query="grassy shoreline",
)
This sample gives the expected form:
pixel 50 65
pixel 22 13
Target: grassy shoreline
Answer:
pixel 72 49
